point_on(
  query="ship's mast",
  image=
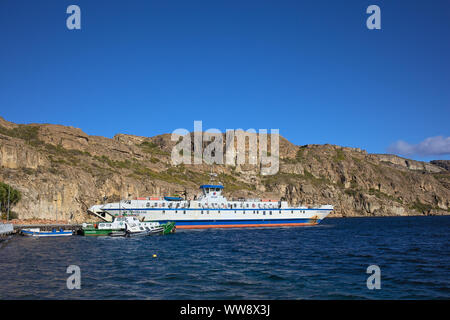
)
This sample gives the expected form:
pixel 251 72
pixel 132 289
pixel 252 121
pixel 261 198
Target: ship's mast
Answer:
pixel 120 200
pixel 212 176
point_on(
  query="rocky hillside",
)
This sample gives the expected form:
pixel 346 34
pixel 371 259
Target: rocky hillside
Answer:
pixel 442 163
pixel 62 171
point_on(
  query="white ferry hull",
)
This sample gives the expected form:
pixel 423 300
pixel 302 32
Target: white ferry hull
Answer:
pixel 228 218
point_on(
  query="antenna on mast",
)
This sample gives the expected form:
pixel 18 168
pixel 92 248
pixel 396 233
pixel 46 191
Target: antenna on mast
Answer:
pixel 213 176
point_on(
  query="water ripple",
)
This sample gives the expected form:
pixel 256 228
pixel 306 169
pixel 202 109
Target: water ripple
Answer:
pixel 328 261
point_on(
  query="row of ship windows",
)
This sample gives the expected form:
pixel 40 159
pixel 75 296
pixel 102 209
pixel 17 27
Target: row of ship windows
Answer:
pixel 212 205
pixel 254 211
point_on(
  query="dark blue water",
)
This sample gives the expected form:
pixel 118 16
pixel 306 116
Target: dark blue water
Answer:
pixel 328 261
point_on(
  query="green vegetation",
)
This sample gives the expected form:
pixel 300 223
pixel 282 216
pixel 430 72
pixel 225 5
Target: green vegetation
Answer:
pixel 376 167
pixel 308 175
pixel 314 180
pixel 280 177
pixel 14 198
pixel 299 156
pixel 181 175
pixel 140 171
pixel 380 194
pixel 355 189
pixel 28 133
pixel 172 175
pixel 105 159
pixel 152 148
pixel 28 171
pixel 116 164
pixel 356 160
pixel 232 184
pixel 340 156
pixel 289 160
pixel 126 164
pixel 421 207
pixel 442 177
pixel 149 145
pixel 286 178
pixel 351 192
pixel 57 160
pixel 177 174
pixel 319 160
pixel 59 155
pixel 59 150
pixel 54 171
pixel 354 184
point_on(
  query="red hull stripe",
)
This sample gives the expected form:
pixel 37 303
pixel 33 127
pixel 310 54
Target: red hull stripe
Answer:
pixel 243 225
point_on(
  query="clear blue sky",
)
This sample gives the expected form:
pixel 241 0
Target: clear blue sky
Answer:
pixel 309 68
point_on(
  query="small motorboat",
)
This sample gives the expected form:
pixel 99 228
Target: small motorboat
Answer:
pixel 143 230
pixel 121 226
pixel 36 232
pixel 139 231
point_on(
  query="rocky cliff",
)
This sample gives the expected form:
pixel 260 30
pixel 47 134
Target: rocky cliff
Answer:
pixel 61 171
pixel 442 163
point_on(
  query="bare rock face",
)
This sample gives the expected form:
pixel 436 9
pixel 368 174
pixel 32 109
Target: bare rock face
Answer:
pixel 445 164
pixel 66 137
pixel 408 163
pixel 129 140
pixel 61 171
pixel 14 154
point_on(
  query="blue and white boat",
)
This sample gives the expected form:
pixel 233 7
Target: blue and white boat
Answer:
pixel 212 210
pixel 36 232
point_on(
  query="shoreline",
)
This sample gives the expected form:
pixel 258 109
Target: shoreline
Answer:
pixel 31 222
pixel 405 216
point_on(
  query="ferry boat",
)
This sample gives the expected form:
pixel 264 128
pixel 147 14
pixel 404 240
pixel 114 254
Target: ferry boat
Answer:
pixel 212 210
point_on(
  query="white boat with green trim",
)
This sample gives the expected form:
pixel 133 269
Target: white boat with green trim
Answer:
pixel 126 226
